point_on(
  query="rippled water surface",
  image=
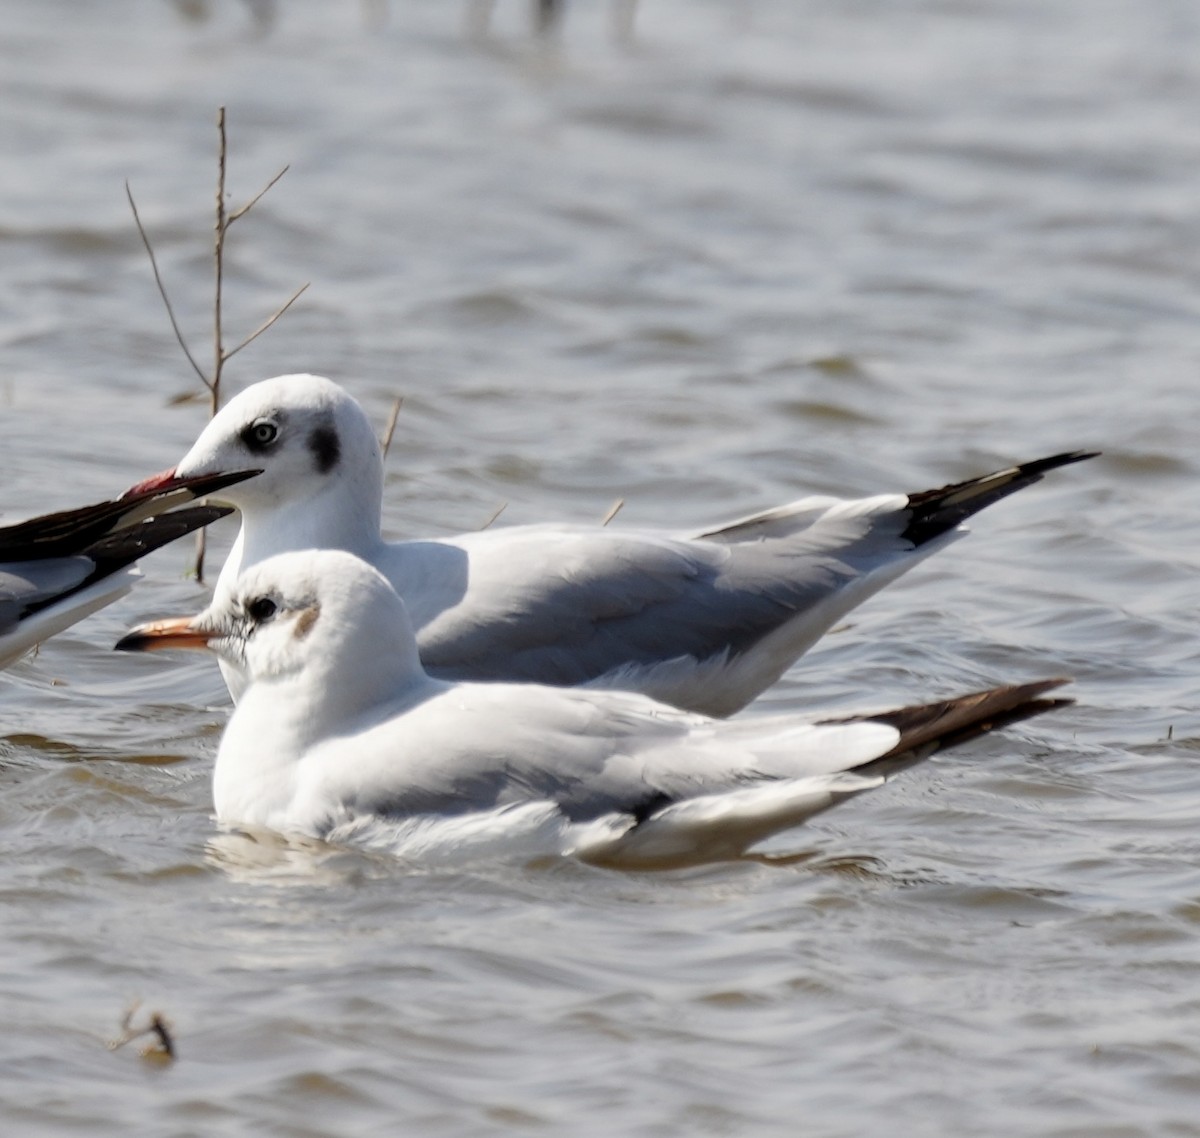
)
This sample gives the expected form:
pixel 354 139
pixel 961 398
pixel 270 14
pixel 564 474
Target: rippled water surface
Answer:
pixel 757 250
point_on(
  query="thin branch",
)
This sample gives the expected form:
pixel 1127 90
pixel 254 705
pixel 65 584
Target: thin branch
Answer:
pixel 224 219
pixel 613 511
pixel 214 385
pixel 266 323
pixel 162 290
pixel 499 510
pixel 386 442
pixel 254 200
pixel 219 252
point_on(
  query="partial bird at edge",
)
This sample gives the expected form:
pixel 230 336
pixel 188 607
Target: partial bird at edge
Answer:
pixel 58 568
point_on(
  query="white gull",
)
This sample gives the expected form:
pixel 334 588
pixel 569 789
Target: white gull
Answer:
pixel 342 736
pixel 704 621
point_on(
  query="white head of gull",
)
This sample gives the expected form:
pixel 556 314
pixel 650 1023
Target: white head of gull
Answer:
pixel 341 735
pixel 704 621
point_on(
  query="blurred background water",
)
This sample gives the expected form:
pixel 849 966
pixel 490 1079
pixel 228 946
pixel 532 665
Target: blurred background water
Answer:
pixel 731 254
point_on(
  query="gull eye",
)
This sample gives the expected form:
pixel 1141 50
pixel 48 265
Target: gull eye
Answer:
pixel 262 609
pixel 261 434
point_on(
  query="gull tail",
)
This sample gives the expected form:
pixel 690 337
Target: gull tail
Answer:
pixel 725 826
pixel 931 727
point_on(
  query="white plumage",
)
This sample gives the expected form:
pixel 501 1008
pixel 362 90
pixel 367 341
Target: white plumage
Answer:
pixel 342 735
pixel 704 621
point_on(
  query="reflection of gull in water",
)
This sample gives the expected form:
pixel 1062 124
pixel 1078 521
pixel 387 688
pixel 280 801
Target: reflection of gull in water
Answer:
pixel 261 856
pixel 59 568
pixel 703 621
pixel 341 735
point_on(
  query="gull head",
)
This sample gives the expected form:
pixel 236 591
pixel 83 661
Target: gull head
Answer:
pixel 309 437
pixel 324 616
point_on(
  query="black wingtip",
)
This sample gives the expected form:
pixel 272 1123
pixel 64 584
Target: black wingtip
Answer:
pixel 69 532
pixel 950 722
pixel 128 544
pixel 132 642
pixel 1039 466
pixel 935 512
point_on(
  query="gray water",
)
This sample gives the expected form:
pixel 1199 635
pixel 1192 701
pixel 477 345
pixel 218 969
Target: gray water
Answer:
pixel 762 249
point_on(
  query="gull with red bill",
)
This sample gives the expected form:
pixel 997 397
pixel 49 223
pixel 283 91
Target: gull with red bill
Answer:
pixel 704 621
pixel 59 568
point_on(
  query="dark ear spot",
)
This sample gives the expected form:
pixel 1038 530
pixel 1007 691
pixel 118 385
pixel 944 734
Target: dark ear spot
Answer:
pixel 323 442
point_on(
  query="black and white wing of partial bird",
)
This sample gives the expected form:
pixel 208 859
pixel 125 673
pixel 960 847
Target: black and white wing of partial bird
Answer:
pixel 58 568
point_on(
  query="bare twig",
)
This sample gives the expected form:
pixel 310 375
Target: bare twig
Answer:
pixel 224 219
pixel 268 322
pixel 243 210
pixel 221 356
pixel 499 510
pixel 613 511
pixel 386 442
pixel 214 385
pixel 162 290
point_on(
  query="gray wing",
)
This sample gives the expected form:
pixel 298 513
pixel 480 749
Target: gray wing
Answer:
pixel 26 585
pixel 564 607
pixel 482 747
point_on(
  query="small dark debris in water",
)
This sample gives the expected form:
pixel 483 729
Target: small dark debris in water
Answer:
pixel 196 11
pixel 547 15
pixel 838 364
pixel 161 1049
